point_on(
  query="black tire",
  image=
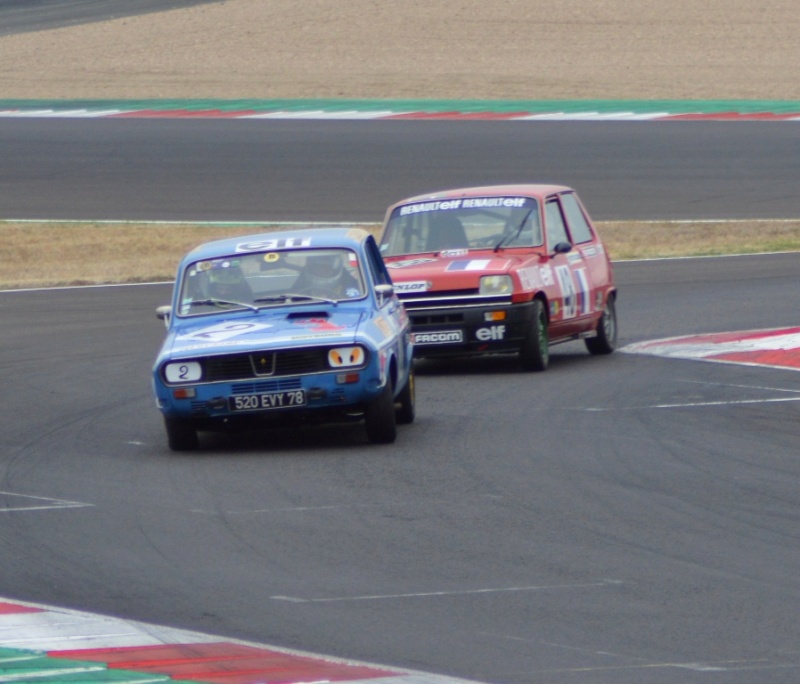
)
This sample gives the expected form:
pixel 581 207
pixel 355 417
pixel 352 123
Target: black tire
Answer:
pixel 535 351
pixel 380 418
pixel 181 436
pixel 606 340
pixel 407 399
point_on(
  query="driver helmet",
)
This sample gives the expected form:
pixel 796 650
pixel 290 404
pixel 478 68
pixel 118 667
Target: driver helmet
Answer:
pixel 226 280
pixel 324 269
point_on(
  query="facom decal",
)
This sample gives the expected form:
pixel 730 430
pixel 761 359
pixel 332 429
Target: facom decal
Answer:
pixel 454 252
pixel 222 331
pixel 277 243
pixel 445 337
pixel 412 286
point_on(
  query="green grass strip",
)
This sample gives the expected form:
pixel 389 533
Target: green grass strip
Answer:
pixel 426 106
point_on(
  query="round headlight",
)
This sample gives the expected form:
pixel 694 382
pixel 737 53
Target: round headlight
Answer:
pixel 183 371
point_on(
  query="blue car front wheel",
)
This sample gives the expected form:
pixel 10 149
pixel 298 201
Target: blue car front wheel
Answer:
pixel 181 436
pixel 380 418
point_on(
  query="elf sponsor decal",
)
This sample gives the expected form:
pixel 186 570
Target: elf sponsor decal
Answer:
pixel 282 243
pixel 412 286
pixel 491 334
pixel 773 348
pixel 443 337
pixel 469 203
pixel 222 331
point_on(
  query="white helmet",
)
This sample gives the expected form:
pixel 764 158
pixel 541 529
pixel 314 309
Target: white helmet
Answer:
pixel 324 269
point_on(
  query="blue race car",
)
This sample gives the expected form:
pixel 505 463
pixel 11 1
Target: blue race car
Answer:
pixel 278 327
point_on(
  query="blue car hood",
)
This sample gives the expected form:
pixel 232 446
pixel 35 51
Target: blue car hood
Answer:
pixel 262 330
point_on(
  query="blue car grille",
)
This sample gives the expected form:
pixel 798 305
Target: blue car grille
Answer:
pixel 266 364
pixel 266 386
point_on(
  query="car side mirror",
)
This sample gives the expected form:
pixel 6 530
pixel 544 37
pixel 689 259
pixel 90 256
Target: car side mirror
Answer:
pixel 163 313
pixel 562 248
pixel 383 292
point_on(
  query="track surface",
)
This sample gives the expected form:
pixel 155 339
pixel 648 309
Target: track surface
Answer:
pixel 550 528
pixel 528 528
pixel 330 171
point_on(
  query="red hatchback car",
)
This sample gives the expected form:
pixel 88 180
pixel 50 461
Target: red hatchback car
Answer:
pixel 499 269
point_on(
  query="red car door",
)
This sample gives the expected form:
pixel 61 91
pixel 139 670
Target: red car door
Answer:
pixel 572 307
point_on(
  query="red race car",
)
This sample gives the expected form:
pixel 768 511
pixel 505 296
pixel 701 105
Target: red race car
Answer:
pixel 498 269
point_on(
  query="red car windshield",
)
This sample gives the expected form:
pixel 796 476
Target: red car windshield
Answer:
pixel 462 224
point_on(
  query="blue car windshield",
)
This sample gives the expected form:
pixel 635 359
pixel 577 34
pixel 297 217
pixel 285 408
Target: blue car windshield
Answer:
pixel 258 280
pixel 462 224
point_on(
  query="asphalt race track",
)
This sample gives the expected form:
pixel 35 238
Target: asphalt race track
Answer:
pixel 351 171
pixel 550 527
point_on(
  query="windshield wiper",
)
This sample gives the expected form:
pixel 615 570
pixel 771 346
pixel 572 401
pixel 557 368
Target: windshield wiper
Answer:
pixel 221 303
pixel 513 236
pixel 289 296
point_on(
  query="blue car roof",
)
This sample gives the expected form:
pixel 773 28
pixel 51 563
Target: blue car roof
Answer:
pixel 319 238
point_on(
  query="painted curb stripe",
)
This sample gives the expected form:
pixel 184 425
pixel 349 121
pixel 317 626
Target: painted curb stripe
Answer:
pixel 772 348
pixel 444 110
pixel 44 645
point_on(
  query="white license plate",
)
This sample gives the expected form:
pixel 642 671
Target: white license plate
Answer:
pixel 269 400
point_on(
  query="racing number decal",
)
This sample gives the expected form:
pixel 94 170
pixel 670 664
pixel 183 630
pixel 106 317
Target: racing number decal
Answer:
pixel 223 331
pixel 564 276
pixel 577 300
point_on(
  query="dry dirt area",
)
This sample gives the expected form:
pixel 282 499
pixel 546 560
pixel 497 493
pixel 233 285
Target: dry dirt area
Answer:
pixel 431 49
pixel 90 254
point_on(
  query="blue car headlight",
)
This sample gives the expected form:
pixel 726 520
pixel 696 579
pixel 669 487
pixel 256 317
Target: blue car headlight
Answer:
pixel 177 372
pixel 347 357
